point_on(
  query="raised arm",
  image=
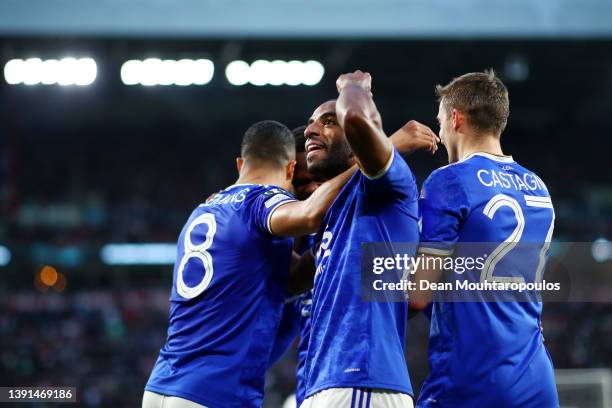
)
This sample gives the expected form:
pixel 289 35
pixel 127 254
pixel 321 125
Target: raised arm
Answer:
pixel 297 218
pixel 362 124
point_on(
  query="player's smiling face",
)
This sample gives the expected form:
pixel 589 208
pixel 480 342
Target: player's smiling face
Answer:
pixel 304 183
pixel 328 152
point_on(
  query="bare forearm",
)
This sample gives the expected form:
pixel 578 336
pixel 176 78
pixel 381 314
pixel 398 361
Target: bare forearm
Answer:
pixel 299 218
pixel 401 143
pixel 353 99
pixel 419 299
pixel 414 136
pixel 358 116
pixel 318 203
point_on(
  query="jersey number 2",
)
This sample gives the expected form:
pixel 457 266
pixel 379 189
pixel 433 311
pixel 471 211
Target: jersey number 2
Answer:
pixel 494 204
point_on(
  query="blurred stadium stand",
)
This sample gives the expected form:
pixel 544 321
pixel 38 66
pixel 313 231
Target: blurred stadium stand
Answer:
pixel 313 19
pixel 108 163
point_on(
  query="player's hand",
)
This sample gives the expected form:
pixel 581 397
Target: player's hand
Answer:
pixel 357 78
pixel 415 136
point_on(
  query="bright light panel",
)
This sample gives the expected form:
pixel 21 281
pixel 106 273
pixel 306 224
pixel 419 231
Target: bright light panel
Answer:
pixel 65 72
pixel 275 73
pixel 154 72
pixel 5 255
pixel 138 254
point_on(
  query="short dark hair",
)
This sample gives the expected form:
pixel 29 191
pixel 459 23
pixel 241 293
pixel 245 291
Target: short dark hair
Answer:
pixel 482 96
pixel 268 142
pixel 300 139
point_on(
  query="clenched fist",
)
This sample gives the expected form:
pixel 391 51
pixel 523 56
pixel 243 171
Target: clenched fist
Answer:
pixel 358 78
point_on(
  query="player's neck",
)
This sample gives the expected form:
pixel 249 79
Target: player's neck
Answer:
pixel 479 144
pixel 264 177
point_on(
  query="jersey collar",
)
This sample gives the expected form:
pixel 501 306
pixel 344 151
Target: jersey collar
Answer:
pixel 494 157
pixel 243 184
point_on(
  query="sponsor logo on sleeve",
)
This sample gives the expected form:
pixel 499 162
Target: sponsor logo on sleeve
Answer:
pixel 276 199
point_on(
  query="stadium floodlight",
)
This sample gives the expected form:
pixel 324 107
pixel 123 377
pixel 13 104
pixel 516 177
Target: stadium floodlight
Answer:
pixel 67 71
pixel 259 73
pixel 32 71
pixel 13 71
pixel 50 72
pixel 139 254
pixel 276 73
pixel 278 70
pixel 166 72
pixel 154 71
pixel 184 72
pixel 130 71
pixel 5 256
pixel 601 250
pixel 294 73
pixel 313 72
pixel 203 71
pixel 85 71
pixel 237 73
pixel 150 71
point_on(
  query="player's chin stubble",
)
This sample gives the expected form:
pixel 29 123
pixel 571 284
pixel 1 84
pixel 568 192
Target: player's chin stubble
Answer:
pixel 333 163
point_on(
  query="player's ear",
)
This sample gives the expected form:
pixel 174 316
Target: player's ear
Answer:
pixel 239 163
pixel 290 169
pixel 458 119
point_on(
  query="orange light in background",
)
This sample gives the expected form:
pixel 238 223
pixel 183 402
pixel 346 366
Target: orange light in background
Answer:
pixel 48 275
pixel 60 285
pixel 41 287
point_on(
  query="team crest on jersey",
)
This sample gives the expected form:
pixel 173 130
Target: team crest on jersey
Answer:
pixel 272 191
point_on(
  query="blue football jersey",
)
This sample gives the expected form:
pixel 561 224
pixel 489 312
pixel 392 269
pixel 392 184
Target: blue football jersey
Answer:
pixel 227 298
pixel 354 343
pixel 303 306
pixel 488 353
pixel 296 321
pixel 288 330
pixel 291 320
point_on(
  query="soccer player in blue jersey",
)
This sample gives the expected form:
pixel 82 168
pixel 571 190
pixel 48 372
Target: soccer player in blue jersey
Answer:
pixel 296 315
pixel 356 351
pixel 230 279
pixel 304 183
pixel 484 353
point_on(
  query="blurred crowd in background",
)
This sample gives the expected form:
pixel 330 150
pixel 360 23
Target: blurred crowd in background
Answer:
pixel 105 342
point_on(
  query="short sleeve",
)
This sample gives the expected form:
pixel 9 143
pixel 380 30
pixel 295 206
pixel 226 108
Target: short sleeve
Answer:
pixel 444 207
pixel 395 180
pixel 264 205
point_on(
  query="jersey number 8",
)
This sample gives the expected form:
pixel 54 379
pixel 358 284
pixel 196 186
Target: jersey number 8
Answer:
pixel 197 251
